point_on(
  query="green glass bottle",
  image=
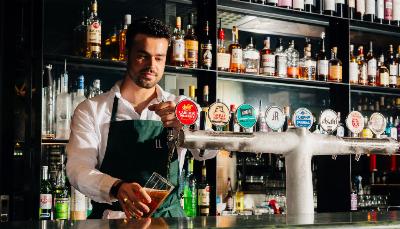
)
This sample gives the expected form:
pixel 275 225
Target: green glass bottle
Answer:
pixel 190 192
pixel 61 195
pixel 45 196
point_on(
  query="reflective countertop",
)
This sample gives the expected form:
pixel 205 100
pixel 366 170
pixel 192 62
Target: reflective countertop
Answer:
pixel 320 220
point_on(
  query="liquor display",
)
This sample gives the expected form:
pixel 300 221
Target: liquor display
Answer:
pixel 191 45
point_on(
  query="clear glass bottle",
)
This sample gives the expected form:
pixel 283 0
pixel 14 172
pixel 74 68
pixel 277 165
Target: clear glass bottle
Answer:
pixel 335 67
pixel 322 61
pixel 61 196
pixel 251 58
pixel 206 48
pixel 63 107
pixel 393 67
pixel 372 66
pixel 362 66
pixel 235 49
pixel 383 73
pixel 353 67
pixel 80 93
pixel 178 45
pixel 223 58
pixel 292 56
pixel 280 61
pixel 267 59
pixel 307 65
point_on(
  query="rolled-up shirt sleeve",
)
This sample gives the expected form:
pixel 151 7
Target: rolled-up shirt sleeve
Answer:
pixel 83 157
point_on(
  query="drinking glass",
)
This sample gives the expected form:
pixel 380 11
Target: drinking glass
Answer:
pixel 158 189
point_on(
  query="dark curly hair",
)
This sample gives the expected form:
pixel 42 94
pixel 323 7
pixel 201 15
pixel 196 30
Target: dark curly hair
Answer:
pixel 148 26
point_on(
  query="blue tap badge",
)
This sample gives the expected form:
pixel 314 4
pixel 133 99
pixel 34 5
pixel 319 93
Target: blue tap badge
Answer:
pixel 246 116
pixel 303 118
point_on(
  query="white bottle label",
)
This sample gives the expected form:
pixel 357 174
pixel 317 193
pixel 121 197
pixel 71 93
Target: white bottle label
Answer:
pixel 268 64
pixel 340 2
pixel 353 202
pixel 384 78
pixel 273 1
pixel 393 80
pixel 361 6
pixel 203 197
pixel 372 67
pixel 370 7
pixel 352 3
pixel 396 10
pixel 329 5
pixel 237 56
pixel 298 4
pixel 45 201
pixel 380 9
pixel 393 133
pixel 223 60
pixel 353 72
pixel 393 69
pixel 309 2
pixel 178 50
pixel 281 66
pixel 323 68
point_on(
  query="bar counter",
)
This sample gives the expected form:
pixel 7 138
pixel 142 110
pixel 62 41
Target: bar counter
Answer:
pixel 382 219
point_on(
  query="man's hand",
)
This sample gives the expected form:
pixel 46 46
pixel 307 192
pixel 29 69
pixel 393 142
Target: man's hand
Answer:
pixel 133 200
pixel 166 110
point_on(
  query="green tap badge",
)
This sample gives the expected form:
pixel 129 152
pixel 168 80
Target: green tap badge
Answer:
pixel 246 116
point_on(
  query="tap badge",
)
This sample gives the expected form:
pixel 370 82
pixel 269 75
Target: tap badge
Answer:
pixel 274 117
pixel 329 120
pixel 186 112
pixel 377 123
pixel 218 113
pixel 303 118
pixel 355 122
pixel 246 116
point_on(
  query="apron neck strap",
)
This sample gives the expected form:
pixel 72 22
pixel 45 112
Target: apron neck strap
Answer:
pixel 114 109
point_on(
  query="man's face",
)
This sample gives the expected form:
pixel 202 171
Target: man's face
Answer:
pixel 147 60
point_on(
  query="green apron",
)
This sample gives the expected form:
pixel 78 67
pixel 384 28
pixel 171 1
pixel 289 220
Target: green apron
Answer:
pixel 136 149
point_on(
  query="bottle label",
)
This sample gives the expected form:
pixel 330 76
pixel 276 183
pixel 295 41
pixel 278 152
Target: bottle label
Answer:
pixel 361 6
pixel 229 203
pixel 309 2
pixel 298 4
pixel 251 55
pixel 393 69
pixel 61 208
pixel 45 201
pixel 203 196
pixel 372 67
pixel 370 7
pixel 352 3
pixel 329 5
pixel 237 56
pixel 388 10
pixel 285 3
pixel 94 36
pixel 310 69
pixel 223 60
pixel 392 80
pixel 396 10
pixel 178 50
pixel 340 2
pixel 384 79
pixel 191 50
pixel 323 67
pixel 268 64
pixel 273 1
pixel 353 72
pixel 206 58
pixel 281 66
pixel 380 9
pixel 335 72
pixel 353 202
pixel 393 133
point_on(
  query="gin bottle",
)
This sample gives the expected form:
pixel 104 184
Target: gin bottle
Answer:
pixel 63 108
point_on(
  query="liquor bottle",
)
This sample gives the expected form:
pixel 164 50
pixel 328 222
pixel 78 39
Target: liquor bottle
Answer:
pixel 93 49
pixel 366 132
pixel 191 45
pixel 309 6
pixel 280 61
pixel 340 6
pixel 114 49
pixel 335 67
pixel 380 11
pixel 203 196
pixel 353 67
pixel 391 127
pixel 340 128
pixel 388 11
pixel 178 45
pixel 78 205
pixel 292 56
pixel 239 196
pixel 370 10
pixel 360 9
pixel 371 62
pixel 285 4
pixel 251 58
pixel 267 59
pixel 351 10
pixel 288 122
pixel 61 198
pixel 319 6
pixel 396 12
pixel 322 61
pixel 393 67
pixel 63 106
pixel 223 58
pixel 206 49
pixel 233 125
pixel 45 196
pixel 106 49
pixel 123 55
pixel 80 93
pixel 362 67
pixel 95 89
pixel 307 65
pixel 192 93
pixel 383 73
pixel 329 7
pixel 228 197
pixel 48 104
pixel 261 125
pixel 80 37
pixel 236 52
pixel 298 5
pixel 190 192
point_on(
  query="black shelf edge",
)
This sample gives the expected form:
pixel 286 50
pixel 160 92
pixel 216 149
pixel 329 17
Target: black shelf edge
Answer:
pixel 373 27
pixel 188 2
pixel 54 141
pixel 371 89
pixel 267 11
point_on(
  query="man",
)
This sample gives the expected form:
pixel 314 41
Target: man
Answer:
pixel 115 139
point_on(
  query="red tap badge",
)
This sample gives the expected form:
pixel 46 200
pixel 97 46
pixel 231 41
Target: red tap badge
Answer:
pixel 186 112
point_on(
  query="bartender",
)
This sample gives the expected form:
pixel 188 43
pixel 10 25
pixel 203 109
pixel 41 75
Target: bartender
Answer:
pixel 119 138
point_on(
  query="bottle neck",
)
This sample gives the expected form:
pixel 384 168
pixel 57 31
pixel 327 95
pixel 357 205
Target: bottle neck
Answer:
pixel 45 175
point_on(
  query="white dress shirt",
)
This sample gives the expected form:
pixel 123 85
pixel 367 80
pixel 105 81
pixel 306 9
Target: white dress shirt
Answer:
pixel 88 140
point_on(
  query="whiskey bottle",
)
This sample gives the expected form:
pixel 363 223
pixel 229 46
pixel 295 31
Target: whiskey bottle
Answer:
pixel 93 49
pixel 370 10
pixel 388 11
pixel 203 191
pixel 80 37
pixel 267 59
pixel 353 67
pixel 360 9
pixel 251 58
pixel 362 67
pixel 280 61
pixel 392 66
pixel 383 73
pixel 236 52
pixel 380 11
pixel 322 61
pixel 307 65
pixel 191 45
pixel 335 67
pixel 46 202
pixel 114 49
pixel 371 62
pixel 178 45
pixel 123 55
pixel 206 49
pixel 223 58
pixel 292 56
